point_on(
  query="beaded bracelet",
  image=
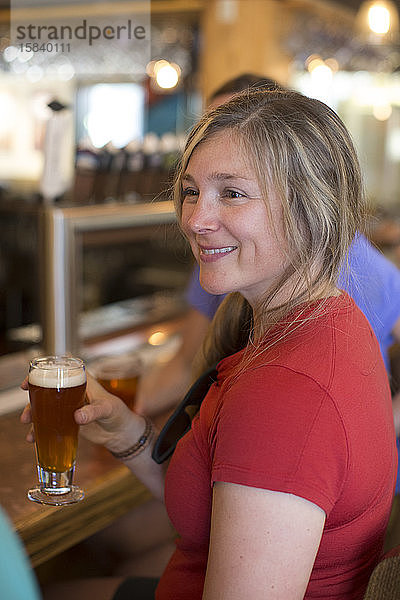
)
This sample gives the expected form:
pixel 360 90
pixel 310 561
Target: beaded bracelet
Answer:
pixel 140 445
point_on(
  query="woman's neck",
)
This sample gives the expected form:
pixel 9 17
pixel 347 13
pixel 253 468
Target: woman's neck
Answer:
pixel 265 316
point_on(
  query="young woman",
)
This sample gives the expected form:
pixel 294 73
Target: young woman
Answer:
pixel 282 487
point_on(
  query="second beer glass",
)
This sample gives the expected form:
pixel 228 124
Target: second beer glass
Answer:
pixel 57 386
pixel 119 375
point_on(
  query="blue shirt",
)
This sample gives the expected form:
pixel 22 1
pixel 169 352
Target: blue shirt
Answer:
pixel 17 580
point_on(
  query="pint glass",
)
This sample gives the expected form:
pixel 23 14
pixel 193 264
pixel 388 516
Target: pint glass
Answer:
pixel 57 386
pixel 119 375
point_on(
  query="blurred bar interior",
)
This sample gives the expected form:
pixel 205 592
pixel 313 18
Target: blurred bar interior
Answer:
pixel 89 244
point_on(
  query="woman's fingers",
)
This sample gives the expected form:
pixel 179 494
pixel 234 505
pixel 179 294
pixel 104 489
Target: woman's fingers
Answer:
pixel 104 417
pixel 93 412
pixel 26 415
pixel 26 418
pixel 30 436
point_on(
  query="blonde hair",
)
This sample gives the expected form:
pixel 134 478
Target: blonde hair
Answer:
pixel 299 148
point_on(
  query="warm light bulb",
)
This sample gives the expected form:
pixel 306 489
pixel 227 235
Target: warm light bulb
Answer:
pixel 379 19
pixel 167 76
pixel 314 63
pixel 155 66
pixel 322 75
pixel 157 338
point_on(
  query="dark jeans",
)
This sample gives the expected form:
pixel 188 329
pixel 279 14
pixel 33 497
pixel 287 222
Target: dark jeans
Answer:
pixel 136 588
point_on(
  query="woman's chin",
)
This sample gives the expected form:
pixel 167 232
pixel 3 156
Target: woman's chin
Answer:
pixel 214 288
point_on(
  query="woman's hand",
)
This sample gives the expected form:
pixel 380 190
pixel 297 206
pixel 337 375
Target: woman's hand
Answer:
pixel 106 419
pixel 26 415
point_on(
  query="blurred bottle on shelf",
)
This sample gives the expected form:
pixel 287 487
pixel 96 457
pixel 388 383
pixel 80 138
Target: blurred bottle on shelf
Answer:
pixel 105 157
pixel 132 172
pixel 140 172
pixel 115 165
pixel 152 168
pixel 86 167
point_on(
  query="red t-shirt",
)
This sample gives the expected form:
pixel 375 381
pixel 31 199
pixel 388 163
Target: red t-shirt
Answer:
pixel 311 417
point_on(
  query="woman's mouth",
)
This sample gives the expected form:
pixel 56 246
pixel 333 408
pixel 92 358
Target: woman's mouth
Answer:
pixel 212 254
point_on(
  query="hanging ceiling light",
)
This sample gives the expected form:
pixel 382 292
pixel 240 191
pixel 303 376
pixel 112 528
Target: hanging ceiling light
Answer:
pixel 164 74
pixel 378 21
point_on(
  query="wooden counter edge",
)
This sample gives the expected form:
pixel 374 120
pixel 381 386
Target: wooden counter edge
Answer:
pixel 52 530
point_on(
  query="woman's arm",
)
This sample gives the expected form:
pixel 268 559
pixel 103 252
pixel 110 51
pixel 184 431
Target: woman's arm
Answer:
pixel 262 544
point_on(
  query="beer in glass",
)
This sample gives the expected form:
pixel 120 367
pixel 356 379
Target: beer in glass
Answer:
pixel 119 375
pixel 57 386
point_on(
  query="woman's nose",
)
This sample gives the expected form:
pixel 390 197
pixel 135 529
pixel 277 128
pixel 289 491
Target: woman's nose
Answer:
pixel 201 217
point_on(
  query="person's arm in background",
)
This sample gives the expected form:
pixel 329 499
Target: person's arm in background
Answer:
pixel 386 233
pixel 396 396
pixel 163 386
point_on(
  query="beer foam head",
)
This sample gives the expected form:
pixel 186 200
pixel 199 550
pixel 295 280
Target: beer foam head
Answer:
pixel 57 372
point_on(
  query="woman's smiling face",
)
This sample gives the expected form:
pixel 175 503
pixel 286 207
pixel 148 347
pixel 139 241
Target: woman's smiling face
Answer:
pixel 227 221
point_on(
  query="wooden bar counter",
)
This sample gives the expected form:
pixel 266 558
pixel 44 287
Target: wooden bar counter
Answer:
pixel 110 488
pixel 110 491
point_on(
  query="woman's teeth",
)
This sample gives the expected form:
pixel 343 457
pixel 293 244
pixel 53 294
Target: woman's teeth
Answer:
pixel 218 250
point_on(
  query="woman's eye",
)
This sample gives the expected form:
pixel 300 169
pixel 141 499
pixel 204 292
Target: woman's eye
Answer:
pixel 232 194
pixel 189 194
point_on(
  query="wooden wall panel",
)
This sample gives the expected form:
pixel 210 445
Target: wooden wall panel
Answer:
pixel 243 36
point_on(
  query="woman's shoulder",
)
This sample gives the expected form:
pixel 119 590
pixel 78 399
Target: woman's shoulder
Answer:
pixel 333 336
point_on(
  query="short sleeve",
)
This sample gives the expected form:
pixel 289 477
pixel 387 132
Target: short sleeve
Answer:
pixel 279 430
